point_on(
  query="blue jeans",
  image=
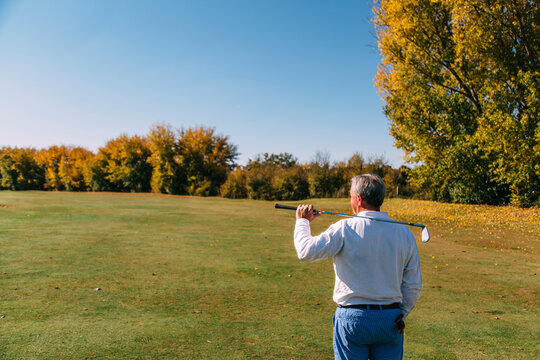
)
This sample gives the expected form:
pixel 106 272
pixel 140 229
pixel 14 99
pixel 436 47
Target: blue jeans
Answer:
pixel 361 334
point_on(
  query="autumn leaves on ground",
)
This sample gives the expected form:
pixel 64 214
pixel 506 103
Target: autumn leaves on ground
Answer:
pixel 145 276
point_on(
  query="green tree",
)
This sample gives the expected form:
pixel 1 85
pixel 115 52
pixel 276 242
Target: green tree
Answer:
pixel 460 83
pixel 19 169
pixel 291 183
pixel 326 180
pixel 282 160
pixel 276 177
pixel 95 173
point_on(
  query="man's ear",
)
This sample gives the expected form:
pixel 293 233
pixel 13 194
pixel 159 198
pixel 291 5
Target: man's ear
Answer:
pixel 361 201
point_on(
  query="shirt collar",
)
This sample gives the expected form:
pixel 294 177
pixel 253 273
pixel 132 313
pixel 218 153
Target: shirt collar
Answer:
pixel 374 214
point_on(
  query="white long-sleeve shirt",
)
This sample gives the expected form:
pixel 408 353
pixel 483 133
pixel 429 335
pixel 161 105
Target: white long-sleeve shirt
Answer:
pixel 375 262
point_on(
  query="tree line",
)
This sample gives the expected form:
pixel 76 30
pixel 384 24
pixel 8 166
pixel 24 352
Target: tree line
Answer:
pixel 281 177
pixel 193 161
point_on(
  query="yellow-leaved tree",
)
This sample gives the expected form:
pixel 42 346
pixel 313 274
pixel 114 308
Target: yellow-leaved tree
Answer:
pixel 121 165
pixel 206 158
pixel 460 81
pixel 64 167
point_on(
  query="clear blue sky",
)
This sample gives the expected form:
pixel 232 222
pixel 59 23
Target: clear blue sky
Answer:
pixel 273 75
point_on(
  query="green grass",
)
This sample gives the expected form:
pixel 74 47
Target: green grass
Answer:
pixel 210 278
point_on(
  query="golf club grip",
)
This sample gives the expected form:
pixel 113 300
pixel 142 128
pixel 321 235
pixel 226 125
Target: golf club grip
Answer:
pixel 286 207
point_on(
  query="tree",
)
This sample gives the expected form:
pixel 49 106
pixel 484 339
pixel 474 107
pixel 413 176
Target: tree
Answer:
pixel 95 174
pixel 460 83
pixel 168 176
pixel 206 158
pixel 19 170
pixel 276 177
pixel 122 165
pixel 282 160
pixel 235 187
pixel 325 180
pixel 73 175
pixel 64 167
pixel 50 160
pixel 291 184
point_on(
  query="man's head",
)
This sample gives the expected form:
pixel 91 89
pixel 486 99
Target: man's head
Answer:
pixel 367 192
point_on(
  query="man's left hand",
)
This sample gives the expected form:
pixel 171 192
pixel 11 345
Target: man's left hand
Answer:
pixel 400 323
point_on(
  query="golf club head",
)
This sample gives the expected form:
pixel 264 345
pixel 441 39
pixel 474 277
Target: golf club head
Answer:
pixel 425 235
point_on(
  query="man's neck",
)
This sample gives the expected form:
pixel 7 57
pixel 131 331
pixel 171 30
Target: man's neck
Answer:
pixel 360 209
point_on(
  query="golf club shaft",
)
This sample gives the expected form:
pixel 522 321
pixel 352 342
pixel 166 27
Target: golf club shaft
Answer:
pixel 286 207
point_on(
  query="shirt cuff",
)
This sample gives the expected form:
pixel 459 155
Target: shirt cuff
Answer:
pixel 302 221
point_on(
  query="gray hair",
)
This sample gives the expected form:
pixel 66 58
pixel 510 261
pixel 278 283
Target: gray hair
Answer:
pixel 370 187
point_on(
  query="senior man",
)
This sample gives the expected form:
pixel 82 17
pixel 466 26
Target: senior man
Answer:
pixel 377 269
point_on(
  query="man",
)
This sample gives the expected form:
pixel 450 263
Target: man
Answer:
pixel 377 269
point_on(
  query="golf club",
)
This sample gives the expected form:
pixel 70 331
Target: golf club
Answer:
pixel 425 232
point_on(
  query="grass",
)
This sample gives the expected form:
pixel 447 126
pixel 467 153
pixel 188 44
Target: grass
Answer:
pixel 142 276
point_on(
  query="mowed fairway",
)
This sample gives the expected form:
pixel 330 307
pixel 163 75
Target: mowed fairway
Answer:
pixel 142 276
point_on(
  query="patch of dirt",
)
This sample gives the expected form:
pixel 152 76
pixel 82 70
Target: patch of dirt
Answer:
pixel 5 206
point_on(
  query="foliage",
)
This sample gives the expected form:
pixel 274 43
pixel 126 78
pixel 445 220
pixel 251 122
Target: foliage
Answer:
pixel 19 169
pixel 167 176
pixel 291 184
pixel 281 160
pixel 122 165
pixel 74 174
pixel 460 82
pixel 259 183
pixel 235 187
pixel 207 158
pixel 64 167
pixel 276 177
pixel 280 177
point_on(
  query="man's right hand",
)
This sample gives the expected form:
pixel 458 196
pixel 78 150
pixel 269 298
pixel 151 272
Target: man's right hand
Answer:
pixel 306 212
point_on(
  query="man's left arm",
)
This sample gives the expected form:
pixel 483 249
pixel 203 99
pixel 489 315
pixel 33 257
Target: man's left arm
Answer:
pixel 411 283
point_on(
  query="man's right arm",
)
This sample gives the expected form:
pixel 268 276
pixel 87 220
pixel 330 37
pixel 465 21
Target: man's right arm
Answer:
pixel 312 248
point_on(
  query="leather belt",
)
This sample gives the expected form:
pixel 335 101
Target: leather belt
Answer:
pixel 371 306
